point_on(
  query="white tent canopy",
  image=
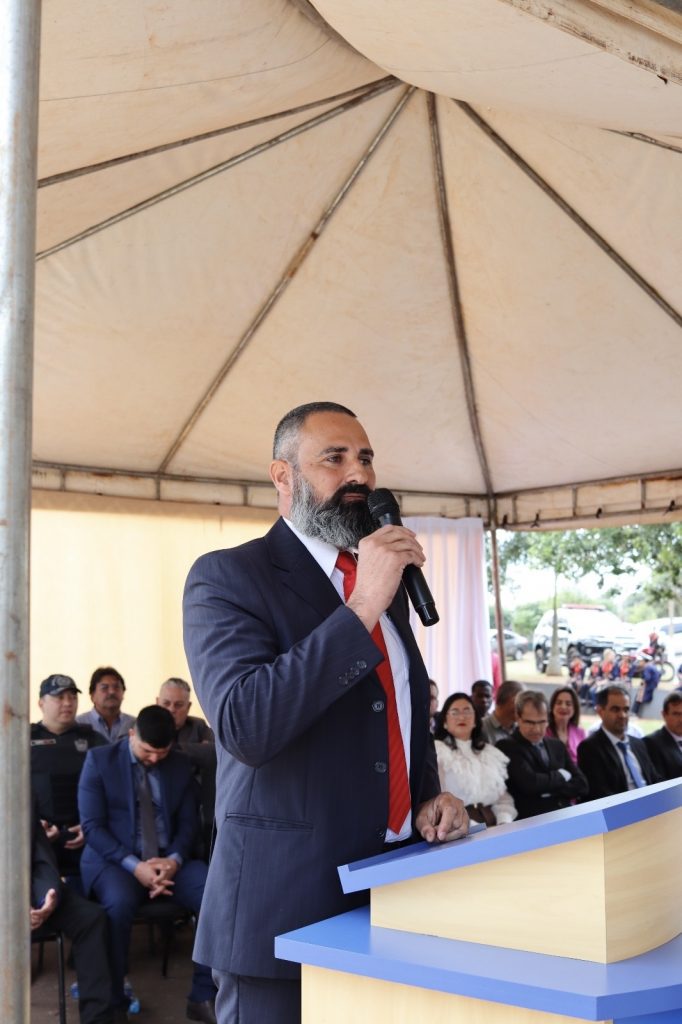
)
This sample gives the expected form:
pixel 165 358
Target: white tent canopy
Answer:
pixel 239 212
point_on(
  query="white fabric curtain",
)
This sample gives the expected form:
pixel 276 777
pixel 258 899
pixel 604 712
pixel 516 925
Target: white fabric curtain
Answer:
pixel 457 649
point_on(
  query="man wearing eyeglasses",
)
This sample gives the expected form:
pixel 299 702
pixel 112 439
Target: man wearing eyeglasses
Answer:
pixel 541 776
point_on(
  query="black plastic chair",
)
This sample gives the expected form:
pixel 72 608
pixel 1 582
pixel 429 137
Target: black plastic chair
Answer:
pixel 165 915
pixel 38 938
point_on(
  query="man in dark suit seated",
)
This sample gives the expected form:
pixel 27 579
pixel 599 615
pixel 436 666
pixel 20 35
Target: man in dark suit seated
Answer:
pixel 54 906
pixel 613 761
pixel 541 775
pixel 305 665
pixel 195 739
pixel 665 745
pixel 138 808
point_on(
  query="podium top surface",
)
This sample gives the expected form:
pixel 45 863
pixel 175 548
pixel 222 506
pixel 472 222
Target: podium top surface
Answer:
pixel 597 817
pixel 634 991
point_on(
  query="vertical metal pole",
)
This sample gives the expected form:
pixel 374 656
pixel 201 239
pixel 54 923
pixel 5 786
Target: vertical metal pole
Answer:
pixel 19 60
pixel 499 619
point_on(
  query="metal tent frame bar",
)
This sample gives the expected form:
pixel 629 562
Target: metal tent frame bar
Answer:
pixel 19 63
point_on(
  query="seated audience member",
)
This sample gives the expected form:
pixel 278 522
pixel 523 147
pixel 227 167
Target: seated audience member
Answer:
pixel 626 667
pixel 542 776
pixel 58 749
pixel 665 745
pixel 576 673
pixel 612 761
pixel 192 735
pixel 501 722
pixel 195 739
pixel 433 706
pixel 609 668
pixel 481 697
pixel 138 808
pixel 651 676
pixel 564 720
pixel 56 906
pixel 107 688
pixel 468 766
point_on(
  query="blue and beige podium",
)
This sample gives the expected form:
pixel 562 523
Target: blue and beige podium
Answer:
pixel 571 916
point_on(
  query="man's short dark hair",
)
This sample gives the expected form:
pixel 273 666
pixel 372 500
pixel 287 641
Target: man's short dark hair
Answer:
pixel 100 673
pixel 285 441
pixel 534 697
pixel 155 726
pixel 602 697
pixel 479 683
pixel 508 691
pixel 672 699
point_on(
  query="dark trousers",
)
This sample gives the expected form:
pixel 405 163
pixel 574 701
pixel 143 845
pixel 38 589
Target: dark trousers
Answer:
pixel 121 894
pixel 245 1000
pixel 86 925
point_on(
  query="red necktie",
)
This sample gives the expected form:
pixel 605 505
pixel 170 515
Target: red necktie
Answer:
pixel 398 786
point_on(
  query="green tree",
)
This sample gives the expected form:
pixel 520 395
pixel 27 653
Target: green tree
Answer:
pixel 571 555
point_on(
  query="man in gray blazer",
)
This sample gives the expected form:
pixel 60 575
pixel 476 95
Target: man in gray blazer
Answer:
pixel 285 669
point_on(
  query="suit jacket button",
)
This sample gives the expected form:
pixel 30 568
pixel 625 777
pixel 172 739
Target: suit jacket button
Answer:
pixel 381 833
pixel 378 705
pixel 380 766
pixel 343 680
pixel 362 664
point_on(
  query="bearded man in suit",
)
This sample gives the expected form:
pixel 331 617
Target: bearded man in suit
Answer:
pixel 285 667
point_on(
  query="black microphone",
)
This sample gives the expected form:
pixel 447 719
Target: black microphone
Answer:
pixel 385 511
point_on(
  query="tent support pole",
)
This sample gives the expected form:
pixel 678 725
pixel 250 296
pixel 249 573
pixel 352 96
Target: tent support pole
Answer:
pixel 19 66
pixel 499 618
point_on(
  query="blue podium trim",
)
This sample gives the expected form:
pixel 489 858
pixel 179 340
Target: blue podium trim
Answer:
pixel 591 819
pixel 634 990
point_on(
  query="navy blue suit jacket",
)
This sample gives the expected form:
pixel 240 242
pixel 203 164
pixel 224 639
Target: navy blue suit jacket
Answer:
pixel 665 753
pixel 285 675
pixel 600 762
pixel 106 804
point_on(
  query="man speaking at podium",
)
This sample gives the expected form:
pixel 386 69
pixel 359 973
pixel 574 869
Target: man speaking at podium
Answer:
pixel 324 751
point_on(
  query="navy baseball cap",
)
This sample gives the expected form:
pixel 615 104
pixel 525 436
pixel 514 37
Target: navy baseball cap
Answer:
pixel 53 685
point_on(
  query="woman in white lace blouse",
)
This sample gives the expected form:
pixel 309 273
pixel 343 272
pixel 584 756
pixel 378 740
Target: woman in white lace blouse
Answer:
pixel 472 769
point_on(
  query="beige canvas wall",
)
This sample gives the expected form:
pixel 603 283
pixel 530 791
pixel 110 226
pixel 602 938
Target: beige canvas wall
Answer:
pixel 106 586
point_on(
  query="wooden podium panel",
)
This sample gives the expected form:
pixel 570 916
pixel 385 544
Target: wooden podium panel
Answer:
pixel 625 881
pixel 332 997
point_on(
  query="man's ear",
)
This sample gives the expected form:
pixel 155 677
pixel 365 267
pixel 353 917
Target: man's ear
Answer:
pixel 281 476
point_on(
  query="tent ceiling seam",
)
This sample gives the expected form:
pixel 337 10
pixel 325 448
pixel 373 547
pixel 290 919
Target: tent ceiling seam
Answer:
pixel 459 325
pixel 368 91
pixel 570 212
pixel 649 139
pixel 210 172
pixel 284 281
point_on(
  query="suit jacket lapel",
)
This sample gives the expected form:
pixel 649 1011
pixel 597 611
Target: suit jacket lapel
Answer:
pixel 299 571
pixel 612 754
pixel 127 775
pixel 673 746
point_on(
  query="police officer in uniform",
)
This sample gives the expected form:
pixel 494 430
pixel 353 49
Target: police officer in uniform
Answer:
pixel 58 748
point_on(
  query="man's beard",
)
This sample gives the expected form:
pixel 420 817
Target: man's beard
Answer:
pixel 338 522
